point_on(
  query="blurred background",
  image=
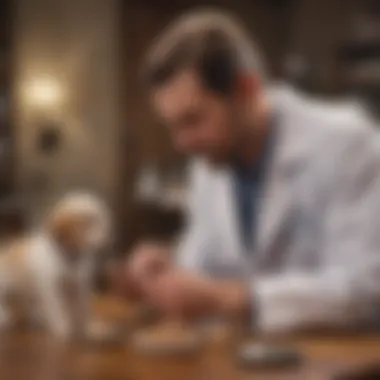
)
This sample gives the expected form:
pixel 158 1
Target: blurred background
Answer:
pixel 73 113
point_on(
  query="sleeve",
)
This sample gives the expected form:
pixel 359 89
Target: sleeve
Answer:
pixel 194 241
pixel 345 291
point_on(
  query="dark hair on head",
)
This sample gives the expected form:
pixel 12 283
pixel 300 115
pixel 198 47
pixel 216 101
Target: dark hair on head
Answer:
pixel 208 41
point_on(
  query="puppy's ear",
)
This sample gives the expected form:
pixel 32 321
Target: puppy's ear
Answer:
pixel 67 230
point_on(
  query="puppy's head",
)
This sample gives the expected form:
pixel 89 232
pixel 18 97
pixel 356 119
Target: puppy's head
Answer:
pixel 80 222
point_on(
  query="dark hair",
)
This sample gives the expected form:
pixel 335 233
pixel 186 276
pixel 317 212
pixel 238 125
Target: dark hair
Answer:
pixel 211 42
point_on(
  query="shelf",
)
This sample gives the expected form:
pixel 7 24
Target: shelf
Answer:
pixel 366 75
pixel 360 50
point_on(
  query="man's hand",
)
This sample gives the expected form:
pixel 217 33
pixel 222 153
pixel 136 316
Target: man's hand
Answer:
pixel 148 259
pixel 179 293
pixel 184 295
pixel 120 281
pixel 123 276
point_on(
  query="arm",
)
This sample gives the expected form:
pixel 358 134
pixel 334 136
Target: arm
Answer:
pixel 194 242
pixel 220 296
pixel 346 290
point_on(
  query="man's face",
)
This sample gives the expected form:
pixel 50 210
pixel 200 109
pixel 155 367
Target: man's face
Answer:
pixel 200 122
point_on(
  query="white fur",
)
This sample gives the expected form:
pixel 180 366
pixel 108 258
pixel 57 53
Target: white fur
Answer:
pixel 89 204
pixel 41 269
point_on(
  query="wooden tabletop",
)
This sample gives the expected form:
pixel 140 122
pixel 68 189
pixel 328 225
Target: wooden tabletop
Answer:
pixel 30 355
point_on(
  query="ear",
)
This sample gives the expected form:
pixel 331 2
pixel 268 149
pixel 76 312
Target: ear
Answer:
pixel 67 231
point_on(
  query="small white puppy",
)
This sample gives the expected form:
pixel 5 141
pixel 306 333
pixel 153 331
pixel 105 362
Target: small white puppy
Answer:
pixel 52 268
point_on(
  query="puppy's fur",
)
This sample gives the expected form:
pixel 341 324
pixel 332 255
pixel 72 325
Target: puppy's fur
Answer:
pixel 52 267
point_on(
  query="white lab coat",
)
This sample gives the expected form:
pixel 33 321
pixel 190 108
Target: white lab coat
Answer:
pixel 316 260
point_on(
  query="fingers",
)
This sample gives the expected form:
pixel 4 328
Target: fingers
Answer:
pixel 148 260
pixel 121 281
pixel 164 292
pixel 128 277
pixel 179 294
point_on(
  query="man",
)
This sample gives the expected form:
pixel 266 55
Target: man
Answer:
pixel 284 196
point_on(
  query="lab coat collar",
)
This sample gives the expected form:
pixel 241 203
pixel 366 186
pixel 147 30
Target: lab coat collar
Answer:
pixel 277 195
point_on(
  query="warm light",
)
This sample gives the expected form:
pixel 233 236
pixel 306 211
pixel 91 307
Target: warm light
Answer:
pixel 45 93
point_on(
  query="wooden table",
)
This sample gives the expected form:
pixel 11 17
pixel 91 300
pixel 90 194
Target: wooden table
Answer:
pixel 28 355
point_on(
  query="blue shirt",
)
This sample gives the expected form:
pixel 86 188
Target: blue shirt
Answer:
pixel 248 184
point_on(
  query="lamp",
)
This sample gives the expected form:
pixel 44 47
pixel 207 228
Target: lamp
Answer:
pixel 44 97
pixel 44 94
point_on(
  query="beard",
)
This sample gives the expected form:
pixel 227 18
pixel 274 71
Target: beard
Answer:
pixel 222 154
pixel 234 145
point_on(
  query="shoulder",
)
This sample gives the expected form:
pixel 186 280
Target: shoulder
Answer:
pixel 326 125
pixel 347 131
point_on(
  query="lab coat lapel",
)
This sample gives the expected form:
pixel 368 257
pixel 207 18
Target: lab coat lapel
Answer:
pixel 227 215
pixel 278 190
pixel 276 204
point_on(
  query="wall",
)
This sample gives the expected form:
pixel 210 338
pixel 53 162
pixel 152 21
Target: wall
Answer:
pixel 318 31
pixel 73 45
